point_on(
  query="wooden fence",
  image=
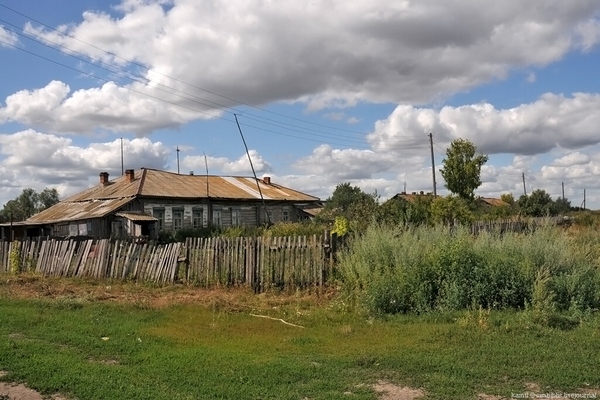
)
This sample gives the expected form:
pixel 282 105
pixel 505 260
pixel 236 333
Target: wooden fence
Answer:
pixel 261 263
pixel 517 225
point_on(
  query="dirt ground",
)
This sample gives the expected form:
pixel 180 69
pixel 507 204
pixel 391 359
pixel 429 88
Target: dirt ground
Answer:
pixel 12 391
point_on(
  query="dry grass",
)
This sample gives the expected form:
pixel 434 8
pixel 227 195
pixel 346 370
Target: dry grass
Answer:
pixel 27 286
pixel 389 391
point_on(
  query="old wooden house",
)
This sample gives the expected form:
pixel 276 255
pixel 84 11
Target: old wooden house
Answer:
pixel 146 201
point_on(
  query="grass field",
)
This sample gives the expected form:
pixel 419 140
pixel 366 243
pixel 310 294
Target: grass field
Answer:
pixel 87 340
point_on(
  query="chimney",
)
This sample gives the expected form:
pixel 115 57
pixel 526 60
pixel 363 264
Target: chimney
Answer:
pixel 104 178
pixel 267 180
pixel 130 174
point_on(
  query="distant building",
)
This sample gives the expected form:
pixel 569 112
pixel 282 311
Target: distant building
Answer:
pixel 414 196
pixel 490 202
pixel 147 201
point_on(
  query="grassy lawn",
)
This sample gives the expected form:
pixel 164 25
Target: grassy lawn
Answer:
pixel 86 342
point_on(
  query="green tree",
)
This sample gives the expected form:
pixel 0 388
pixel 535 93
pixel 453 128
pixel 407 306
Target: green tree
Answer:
pixel 537 204
pixel 508 198
pixel 450 210
pixel 28 203
pixel 344 196
pixel 350 202
pixel 46 199
pixel 397 211
pixel 561 206
pixel 462 168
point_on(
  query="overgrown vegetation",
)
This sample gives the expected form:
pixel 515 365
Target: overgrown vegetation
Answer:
pixel 275 230
pixel 422 269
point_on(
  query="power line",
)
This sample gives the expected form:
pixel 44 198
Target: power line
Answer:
pixel 339 139
pixel 408 145
pixel 133 62
pixel 326 137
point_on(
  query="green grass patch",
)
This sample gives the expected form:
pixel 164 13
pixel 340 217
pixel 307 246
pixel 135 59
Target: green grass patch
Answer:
pixel 100 350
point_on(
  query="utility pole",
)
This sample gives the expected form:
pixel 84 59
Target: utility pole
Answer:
pixel 524 188
pixel 563 190
pixel 432 164
pixel 177 160
pixel 122 166
pixel 584 199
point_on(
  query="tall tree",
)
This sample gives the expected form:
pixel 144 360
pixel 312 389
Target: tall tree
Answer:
pixel 46 199
pixel 28 203
pixel 345 195
pixel 350 202
pixel 462 168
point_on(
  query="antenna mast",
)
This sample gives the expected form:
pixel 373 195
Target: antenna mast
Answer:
pixel 122 165
pixel 206 165
pixel 253 172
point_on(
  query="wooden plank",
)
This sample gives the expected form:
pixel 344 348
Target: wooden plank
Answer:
pixel 69 259
pixel 175 261
pixel 41 260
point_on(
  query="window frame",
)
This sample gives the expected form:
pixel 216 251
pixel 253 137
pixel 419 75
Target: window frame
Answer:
pixel 197 218
pixel 236 216
pixel 217 218
pixel 159 214
pixel 177 214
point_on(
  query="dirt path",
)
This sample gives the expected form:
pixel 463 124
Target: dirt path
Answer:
pixel 11 391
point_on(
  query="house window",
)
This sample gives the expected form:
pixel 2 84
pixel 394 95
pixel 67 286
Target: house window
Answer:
pixel 197 218
pixel 159 214
pixel 177 219
pixel 236 217
pixel 217 219
pixel 286 216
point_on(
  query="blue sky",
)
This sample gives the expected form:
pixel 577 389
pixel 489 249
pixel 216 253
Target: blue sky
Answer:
pixel 325 92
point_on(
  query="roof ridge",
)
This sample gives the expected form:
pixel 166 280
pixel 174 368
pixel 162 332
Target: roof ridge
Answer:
pixel 141 182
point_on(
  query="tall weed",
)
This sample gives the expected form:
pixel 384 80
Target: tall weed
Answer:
pixel 420 269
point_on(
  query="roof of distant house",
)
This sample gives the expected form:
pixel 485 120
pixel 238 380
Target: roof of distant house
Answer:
pixel 414 196
pixel 109 196
pixel 492 201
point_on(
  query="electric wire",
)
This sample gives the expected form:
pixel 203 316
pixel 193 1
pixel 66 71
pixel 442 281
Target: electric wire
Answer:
pixel 343 140
pixel 175 79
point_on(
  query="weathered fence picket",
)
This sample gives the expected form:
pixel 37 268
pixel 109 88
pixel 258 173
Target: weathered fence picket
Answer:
pixel 261 263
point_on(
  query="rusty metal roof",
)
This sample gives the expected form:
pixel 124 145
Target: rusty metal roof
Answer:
pixel 312 211
pixel 102 199
pixel 157 183
pixel 79 210
pixel 413 197
pixel 492 201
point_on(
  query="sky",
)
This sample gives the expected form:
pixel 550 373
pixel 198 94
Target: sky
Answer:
pixel 323 92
